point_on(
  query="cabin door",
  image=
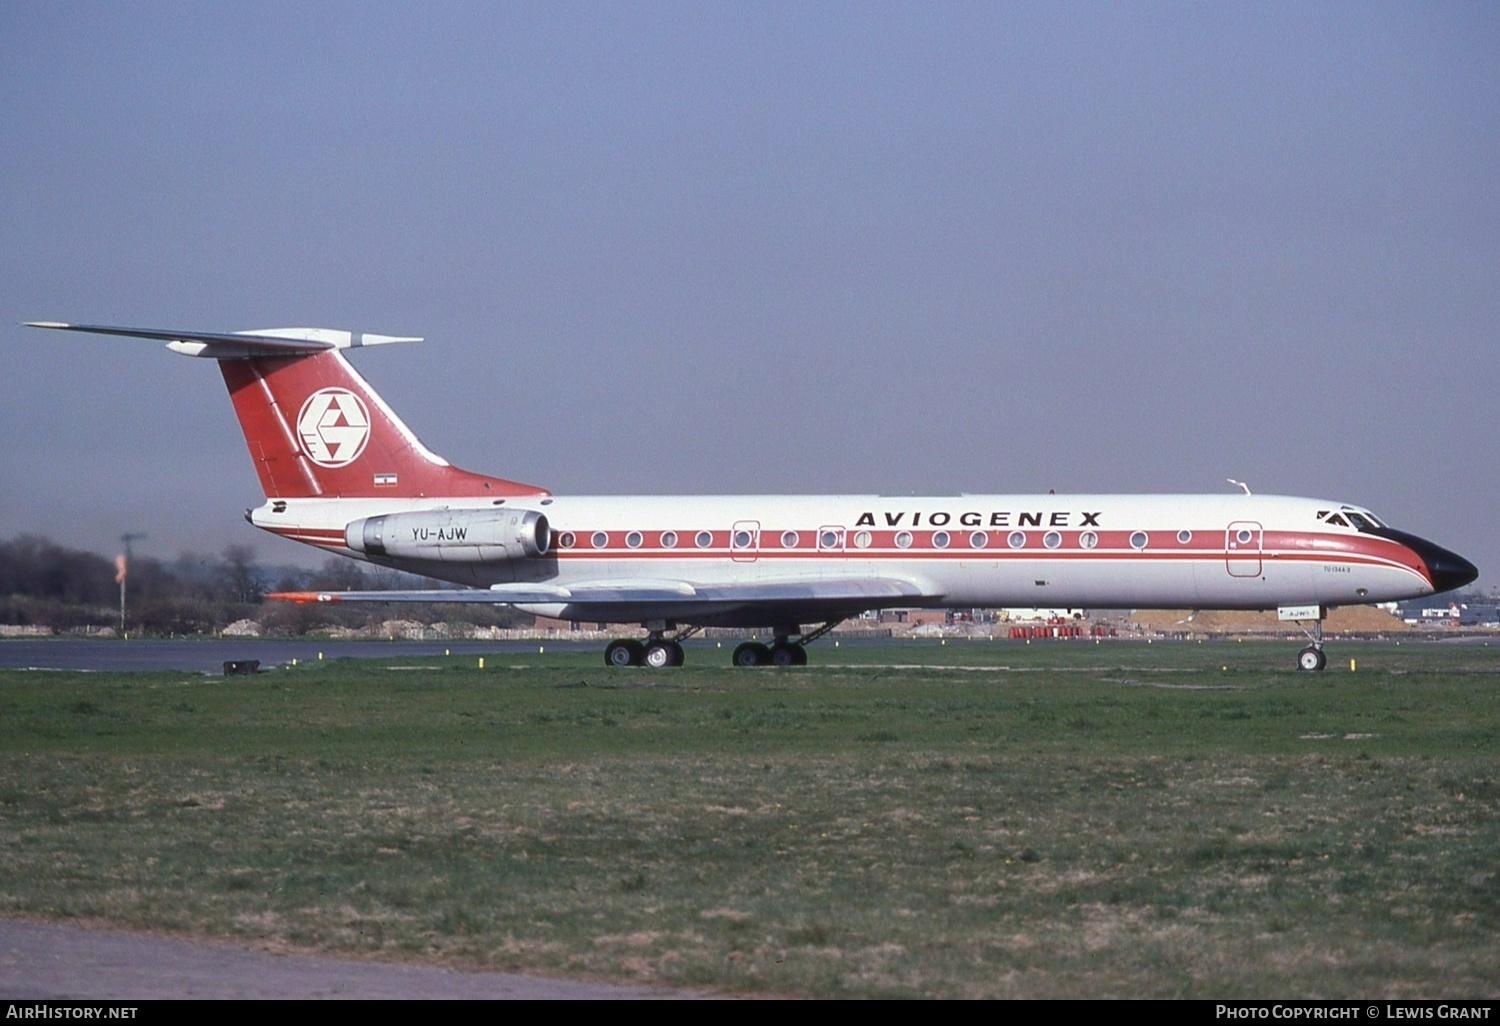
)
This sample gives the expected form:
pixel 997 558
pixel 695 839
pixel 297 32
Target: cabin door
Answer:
pixel 1242 545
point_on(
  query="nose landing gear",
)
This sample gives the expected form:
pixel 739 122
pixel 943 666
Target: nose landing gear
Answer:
pixel 1310 658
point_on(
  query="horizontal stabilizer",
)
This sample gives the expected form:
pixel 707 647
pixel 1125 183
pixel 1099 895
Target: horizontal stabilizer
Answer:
pixel 314 427
pixel 240 344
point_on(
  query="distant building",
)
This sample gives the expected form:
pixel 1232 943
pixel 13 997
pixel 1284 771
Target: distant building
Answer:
pixel 1457 611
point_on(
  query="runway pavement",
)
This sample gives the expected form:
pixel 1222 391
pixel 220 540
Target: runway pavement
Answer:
pixel 208 655
pixel 41 961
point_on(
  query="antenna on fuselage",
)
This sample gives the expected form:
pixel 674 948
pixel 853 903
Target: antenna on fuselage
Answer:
pixel 1240 484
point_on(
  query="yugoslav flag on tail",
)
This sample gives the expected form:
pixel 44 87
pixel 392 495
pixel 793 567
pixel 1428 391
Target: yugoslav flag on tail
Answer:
pixel 314 427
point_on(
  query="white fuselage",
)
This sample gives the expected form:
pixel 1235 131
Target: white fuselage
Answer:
pixel 1113 551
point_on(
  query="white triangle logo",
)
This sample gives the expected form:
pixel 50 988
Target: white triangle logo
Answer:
pixel 333 427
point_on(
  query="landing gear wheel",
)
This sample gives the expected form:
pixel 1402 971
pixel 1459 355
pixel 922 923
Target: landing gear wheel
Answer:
pixel 751 653
pixel 661 654
pixel 1311 659
pixel 623 652
pixel 784 654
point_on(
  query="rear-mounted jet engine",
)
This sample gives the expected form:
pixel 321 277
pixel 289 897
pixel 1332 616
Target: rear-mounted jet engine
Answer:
pixel 453 535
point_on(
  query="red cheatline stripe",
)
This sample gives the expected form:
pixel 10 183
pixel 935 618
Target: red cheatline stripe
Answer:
pixel 1204 547
pixel 311 532
pixel 978 555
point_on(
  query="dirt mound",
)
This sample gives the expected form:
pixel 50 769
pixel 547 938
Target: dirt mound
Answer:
pixel 1344 619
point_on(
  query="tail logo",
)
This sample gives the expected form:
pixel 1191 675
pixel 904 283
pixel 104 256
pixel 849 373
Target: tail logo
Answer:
pixel 333 427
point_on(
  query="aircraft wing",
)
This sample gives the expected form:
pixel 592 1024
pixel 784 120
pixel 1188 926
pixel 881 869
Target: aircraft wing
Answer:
pixel 758 603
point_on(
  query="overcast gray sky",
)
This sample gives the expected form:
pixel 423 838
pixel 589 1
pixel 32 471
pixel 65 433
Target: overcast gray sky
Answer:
pixel 755 247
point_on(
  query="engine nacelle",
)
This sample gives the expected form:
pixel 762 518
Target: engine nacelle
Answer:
pixel 453 535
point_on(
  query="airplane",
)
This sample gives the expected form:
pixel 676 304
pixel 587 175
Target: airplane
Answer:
pixel 342 472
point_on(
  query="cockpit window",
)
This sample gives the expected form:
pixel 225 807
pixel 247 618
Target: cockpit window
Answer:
pixel 1363 521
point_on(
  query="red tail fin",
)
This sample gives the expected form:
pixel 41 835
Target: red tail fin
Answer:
pixel 316 429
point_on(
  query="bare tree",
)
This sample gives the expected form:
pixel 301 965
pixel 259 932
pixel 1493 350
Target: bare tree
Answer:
pixel 240 575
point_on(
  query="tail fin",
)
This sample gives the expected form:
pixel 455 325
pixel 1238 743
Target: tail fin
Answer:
pixel 314 427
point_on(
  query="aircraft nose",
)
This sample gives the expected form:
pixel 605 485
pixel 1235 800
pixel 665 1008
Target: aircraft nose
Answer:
pixel 1448 570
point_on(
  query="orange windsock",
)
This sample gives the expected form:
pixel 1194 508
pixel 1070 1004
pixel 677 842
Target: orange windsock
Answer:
pixel 120 568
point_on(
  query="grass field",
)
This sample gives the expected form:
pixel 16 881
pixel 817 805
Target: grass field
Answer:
pixel 970 819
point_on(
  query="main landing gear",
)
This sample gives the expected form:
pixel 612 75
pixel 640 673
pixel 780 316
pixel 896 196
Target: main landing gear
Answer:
pixel 659 651
pixel 653 652
pixel 783 651
pixel 656 653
